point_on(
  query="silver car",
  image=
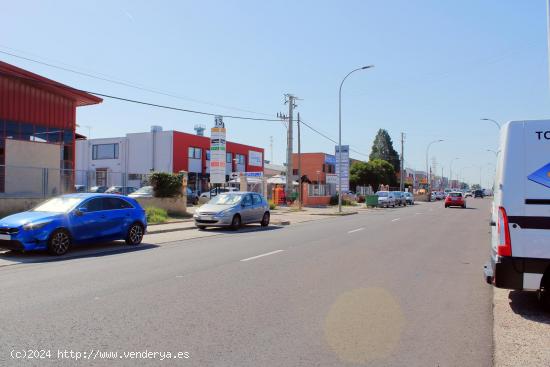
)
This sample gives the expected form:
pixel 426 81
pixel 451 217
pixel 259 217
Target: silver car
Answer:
pixel 233 209
pixel 386 199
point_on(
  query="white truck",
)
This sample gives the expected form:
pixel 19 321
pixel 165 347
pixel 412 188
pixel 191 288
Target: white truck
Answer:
pixel 520 240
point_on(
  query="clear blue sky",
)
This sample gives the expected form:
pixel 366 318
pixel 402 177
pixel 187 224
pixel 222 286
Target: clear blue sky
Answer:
pixel 440 66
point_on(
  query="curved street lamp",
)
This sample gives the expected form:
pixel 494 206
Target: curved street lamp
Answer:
pixel 340 134
pixel 495 122
pixel 428 168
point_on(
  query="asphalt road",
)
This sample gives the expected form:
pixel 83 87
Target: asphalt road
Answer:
pixel 389 287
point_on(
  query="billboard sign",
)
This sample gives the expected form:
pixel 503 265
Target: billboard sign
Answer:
pixel 332 179
pixel 217 152
pixel 255 158
pixel 342 160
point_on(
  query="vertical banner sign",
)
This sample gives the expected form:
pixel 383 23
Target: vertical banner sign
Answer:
pixel 342 159
pixel 217 152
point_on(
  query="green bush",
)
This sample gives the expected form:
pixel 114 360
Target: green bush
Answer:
pixel 156 215
pixel 166 185
pixel 272 205
pixel 334 200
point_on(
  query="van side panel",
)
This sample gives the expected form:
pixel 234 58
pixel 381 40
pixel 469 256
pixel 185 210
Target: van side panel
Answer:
pixel 526 187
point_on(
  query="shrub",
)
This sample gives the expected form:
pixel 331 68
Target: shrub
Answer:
pixel 361 198
pixel 272 205
pixel 166 185
pixel 334 200
pixel 156 215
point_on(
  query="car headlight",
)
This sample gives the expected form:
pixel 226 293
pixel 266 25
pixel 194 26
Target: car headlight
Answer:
pixel 223 213
pixel 34 226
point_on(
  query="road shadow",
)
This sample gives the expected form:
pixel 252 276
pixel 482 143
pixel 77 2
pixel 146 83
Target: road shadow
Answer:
pixel 527 306
pixel 76 252
pixel 245 229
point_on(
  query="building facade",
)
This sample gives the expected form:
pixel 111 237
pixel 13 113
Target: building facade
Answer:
pixel 41 113
pixel 316 166
pixel 127 161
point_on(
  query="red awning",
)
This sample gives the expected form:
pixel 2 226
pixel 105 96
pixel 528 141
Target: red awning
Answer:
pixel 82 98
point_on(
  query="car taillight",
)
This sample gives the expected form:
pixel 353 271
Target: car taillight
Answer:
pixel 504 243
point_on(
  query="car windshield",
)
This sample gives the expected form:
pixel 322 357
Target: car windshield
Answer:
pixel 144 190
pixel 226 199
pixel 58 205
pixel 382 194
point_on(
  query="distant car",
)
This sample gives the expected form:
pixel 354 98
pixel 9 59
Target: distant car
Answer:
pixel 400 198
pixel 56 224
pixel 233 209
pixel 98 189
pixel 79 188
pixel 192 197
pixel 386 199
pixel 468 194
pixel 409 198
pixel 478 194
pixel 120 190
pixel 144 192
pixel 455 199
pixel 440 195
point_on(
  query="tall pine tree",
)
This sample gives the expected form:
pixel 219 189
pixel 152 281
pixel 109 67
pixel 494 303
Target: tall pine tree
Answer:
pixel 382 148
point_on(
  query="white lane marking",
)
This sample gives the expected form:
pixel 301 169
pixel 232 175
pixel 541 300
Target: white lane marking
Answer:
pixel 356 230
pixel 418 213
pixel 395 220
pixel 262 255
pixel 179 276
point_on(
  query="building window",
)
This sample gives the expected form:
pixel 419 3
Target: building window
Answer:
pixel 324 168
pixel 240 158
pixel 228 157
pixel 105 151
pixel 295 172
pixel 207 155
pixel 195 153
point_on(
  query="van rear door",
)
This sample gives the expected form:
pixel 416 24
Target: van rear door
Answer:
pixel 529 219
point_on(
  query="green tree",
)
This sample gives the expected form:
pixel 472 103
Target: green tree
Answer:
pixel 382 148
pixel 373 173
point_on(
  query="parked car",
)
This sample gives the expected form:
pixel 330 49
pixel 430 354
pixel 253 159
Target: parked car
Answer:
pixel 192 197
pixel 433 196
pixel 233 209
pixel 520 251
pixel 468 194
pixel 143 192
pixel 478 194
pixel 56 224
pixel 98 189
pixel 409 198
pixel 120 190
pixel 79 188
pixel 386 199
pixel 440 195
pixel 400 198
pixel 455 199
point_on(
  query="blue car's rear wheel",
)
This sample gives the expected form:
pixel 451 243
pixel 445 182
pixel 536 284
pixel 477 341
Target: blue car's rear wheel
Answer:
pixel 135 234
pixel 59 242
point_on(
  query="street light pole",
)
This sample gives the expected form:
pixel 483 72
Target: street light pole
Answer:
pixel 451 171
pixel 339 156
pixel 496 123
pixel 428 168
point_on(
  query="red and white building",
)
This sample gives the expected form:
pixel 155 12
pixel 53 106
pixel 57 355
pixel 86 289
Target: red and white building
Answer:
pixel 127 160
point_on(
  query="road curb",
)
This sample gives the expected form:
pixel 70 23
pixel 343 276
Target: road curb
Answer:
pixel 343 214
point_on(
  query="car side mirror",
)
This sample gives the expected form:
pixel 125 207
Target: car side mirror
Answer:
pixel 80 211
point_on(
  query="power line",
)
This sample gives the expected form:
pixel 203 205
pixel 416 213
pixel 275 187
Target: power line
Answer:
pixel 329 138
pixel 128 84
pixel 140 102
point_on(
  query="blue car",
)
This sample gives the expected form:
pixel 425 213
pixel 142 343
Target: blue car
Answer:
pixel 56 224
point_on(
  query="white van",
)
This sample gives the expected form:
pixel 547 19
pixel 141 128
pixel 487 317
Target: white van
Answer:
pixel 520 248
